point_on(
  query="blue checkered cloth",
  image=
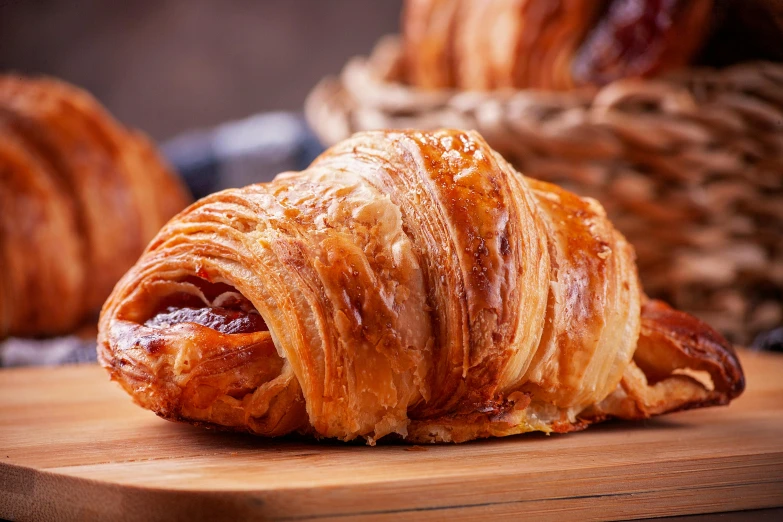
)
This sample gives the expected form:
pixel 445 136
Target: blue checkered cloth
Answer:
pixel 239 153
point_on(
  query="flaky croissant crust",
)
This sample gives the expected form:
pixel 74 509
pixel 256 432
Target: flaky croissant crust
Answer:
pixel 406 282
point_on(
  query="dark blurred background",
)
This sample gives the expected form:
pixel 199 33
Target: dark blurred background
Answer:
pixel 170 66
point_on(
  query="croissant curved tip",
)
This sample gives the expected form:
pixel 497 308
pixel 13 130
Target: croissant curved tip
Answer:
pixel 691 343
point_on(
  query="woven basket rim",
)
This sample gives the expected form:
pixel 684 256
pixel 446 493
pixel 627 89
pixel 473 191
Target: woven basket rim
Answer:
pixel 379 68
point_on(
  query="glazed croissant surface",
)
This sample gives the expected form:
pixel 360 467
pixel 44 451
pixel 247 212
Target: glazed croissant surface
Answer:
pixel 547 44
pixel 406 283
pixel 80 196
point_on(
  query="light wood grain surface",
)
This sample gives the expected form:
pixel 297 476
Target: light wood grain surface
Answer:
pixel 74 447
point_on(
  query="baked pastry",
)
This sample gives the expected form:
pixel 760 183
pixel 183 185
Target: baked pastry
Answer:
pixel 547 44
pixel 80 195
pixel 407 282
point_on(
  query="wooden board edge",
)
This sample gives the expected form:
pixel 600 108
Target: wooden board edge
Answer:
pixel 30 494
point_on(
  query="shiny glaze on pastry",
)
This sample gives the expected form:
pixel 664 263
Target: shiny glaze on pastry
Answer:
pixel 409 283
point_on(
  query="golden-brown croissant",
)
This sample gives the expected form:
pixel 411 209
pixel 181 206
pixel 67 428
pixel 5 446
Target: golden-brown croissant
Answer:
pixel 547 44
pixel 80 198
pixel 406 282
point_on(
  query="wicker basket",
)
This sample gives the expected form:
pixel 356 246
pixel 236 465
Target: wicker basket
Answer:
pixel 690 167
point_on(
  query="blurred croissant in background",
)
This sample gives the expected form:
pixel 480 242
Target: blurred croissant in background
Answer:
pixel 548 44
pixel 80 197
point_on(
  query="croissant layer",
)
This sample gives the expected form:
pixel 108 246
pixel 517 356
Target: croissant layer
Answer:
pixel 407 283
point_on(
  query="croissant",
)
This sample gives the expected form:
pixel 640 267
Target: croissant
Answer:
pixel 407 283
pixel 80 197
pixel 547 44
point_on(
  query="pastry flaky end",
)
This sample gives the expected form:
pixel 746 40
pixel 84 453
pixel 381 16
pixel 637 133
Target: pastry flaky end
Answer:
pixel 407 284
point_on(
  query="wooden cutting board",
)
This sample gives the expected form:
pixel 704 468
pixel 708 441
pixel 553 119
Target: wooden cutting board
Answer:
pixel 73 446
